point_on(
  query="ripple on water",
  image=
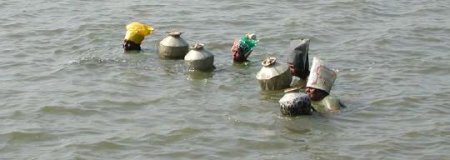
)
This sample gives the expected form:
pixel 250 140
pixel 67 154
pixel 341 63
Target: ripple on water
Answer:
pixel 27 137
pixel 61 110
pixel 101 145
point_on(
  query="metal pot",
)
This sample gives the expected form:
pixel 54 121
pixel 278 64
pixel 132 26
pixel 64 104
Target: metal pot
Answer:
pixel 173 46
pixel 298 58
pixel 274 75
pixel 199 59
pixel 294 103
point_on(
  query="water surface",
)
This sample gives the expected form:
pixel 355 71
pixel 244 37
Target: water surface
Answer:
pixel 69 92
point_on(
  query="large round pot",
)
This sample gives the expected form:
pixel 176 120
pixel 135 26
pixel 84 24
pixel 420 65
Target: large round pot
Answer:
pixel 173 46
pixel 274 75
pixel 199 59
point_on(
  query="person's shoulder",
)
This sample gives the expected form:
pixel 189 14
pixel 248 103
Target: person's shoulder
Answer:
pixel 332 102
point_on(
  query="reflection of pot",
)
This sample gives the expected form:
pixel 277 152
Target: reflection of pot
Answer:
pixel 199 75
pixel 173 46
pixel 199 59
pixel 274 75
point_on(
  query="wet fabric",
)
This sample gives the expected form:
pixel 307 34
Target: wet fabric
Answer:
pixel 298 60
pixel 298 82
pixel 294 104
pixel 137 31
pixel 328 104
pixel 237 52
pixel 242 48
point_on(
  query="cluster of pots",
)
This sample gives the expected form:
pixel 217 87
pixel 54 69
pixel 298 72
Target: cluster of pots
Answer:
pixel 274 75
pixel 196 58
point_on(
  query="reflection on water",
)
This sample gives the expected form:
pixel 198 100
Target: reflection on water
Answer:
pixel 199 75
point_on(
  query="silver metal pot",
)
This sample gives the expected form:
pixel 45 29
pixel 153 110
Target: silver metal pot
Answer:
pixel 173 46
pixel 199 58
pixel 274 75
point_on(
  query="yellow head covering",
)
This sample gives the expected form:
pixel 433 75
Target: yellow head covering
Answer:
pixel 137 31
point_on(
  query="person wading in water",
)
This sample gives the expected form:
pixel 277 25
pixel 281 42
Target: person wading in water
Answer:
pixel 136 33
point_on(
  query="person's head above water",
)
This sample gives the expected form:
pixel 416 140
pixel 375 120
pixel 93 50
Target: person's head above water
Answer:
pixel 294 103
pixel 320 80
pixel 136 33
pixel 243 47
pixel 298 59
pixel 315 94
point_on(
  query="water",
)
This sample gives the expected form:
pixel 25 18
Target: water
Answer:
pixel 69 92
